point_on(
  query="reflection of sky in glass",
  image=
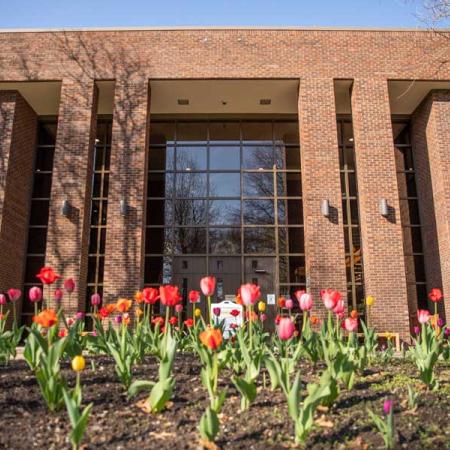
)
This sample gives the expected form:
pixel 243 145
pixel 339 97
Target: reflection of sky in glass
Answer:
pixel 259 212
pixel 191 185
pixel 224 158
pixel 193 158
pixel 256 157
pixel 224 185
pixel 258 184
pixel 224 212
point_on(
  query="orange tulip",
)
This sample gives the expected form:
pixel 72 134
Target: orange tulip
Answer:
pixel 314 320
pixel 138 296
pixel 46 318
pixel 211 338
pixel 110 308
pixel 123 305
pixel 138 312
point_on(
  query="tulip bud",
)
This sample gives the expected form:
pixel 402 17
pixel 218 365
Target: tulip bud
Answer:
pixel 35 294
pixel 198 312
pixel 305 301
pixel 440 322
pixel 58 295
pixel 370 300
pixel 118 319
pixel 387 406
pixel 289 303
pixel 447 332
pixel 14 294
pixel 261 306
pixel 78 363
pixel 69 285
pixel 95 299
pixel 2 299
pixel 285 328
pixel 179 308
pixel 416 330
pixel 262 317
pixel 79 315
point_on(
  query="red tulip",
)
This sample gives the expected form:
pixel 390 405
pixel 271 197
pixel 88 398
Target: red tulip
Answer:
pixel 14 294
pixel 435 295
pixel 47 275
pixel 423 316
pixel 169 295
pixel 173 320
pixel 189 323
pixel 158 320
pixel 282 302
pixel 330 297
pixel 58 295
pixel 194 296
pixel 35 294
pixel 277 319
pixel 339 308
pixel 285 328
pixel 69 285
pixel 150 295
pixel 250 294
pixel 351 324
pixel 305 301
pixel 208 285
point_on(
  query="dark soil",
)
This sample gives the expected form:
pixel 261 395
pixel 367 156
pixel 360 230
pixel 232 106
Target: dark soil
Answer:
pixel 117 423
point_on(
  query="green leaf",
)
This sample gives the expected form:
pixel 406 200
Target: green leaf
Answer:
pixel 160 394
pixel 209 425
pixel 138 386
pixel 247 389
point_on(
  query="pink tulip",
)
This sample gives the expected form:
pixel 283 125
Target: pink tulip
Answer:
pixel 262 317
pixel 35 294
pixel 305 301
pixel 69 285
pixel 216 311
pixel 423 316
pixel 289 304
pixel 330 297
pixel 79 315
pixel 95 299
pixel 387 406
pixel 58 295
pixel 14 294
pixel 208 285
pixel 250 294
pixel 416 330
pixel 285 328
pixel 339 308
pixel 70 321
pixel 2 299
pixel 179 308
pixel 351 324
pixel 447 332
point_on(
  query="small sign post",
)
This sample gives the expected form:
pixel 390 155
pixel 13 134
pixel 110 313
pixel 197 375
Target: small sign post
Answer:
pixel 225 316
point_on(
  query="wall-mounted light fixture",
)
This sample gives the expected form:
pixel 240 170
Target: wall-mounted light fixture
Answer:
pixel 65 208
pixel 384 210
pixel 123 207
pixel 325 208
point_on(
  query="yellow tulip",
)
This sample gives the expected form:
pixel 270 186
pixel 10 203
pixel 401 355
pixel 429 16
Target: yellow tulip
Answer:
pixel 78 363
pixel 198 312
pixel 370 300
pixel 261 306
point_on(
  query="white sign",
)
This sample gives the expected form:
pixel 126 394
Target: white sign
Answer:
pixel 225 317
pixel 271 299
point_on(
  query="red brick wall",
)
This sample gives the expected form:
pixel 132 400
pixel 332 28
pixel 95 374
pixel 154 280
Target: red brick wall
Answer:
pixel 431 144
pixel 324 237
pixel 67 237
pixel 18 123
pixel 124 252
pixel 384 267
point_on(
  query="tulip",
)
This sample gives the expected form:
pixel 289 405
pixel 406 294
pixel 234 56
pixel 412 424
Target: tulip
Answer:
pixel 69 285
pixel 62 332
pixel 179 308
pixel 330 297
pixel 216 311
pixel 370 300
pixel 198 312
pixel 79 315
pixel 138 312
pixel 118 319
pixel 58 295
pixel 35 294
pixel 158 320
pixel 169 295
pixel 339 308
pixel 78 364
pixel 282 302
pixel 46 318
pixel 2 299
pixel 14 294
pixel 194 296
pixel 211 338
pixel 189 323
pixel 387 406
pixel 104 313
pixel 70 321
pixel 250 294
pixel 95 299
pixel 150 295
pixel 314 320
pixel 289 303
pixel 138 296
pixel 354 314
pixel 208 285
pixel 351 324
pixel 47 275
pixel 173 320
pixel 305 301
pixel 435 295
pixel 262 317
pixel 261 306
pixel 447 332
pixel 285 328
pixel 123 305
pixel 298 294
pixel 440 322
pixel 423 316
pixel 277 319
pixel 416 330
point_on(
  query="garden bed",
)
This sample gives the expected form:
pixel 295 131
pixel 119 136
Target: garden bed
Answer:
pixel 118 423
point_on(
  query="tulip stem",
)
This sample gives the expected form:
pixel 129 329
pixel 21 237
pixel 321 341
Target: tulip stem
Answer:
pixel 250 328
pixel 305 318
pixel 35 309
pixel 209 310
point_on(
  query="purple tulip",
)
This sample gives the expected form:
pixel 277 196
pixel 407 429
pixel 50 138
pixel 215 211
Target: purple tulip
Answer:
pixel 387 406
pixel 216 311
pixel 447 332
pixel 416 330
pixel 118 319
pixel 440 322
pixel 79 315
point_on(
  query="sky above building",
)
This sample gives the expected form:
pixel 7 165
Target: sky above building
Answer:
pixel 148 13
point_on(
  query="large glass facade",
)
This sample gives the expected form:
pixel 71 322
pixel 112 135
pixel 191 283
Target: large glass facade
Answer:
pixel 409 212
pixel 40 201
pixel 350 211
pixel 224 198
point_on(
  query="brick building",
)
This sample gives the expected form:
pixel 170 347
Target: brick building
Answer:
pixel 293 158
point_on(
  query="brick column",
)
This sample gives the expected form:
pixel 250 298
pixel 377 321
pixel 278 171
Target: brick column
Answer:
pixel 18 123
pixel 124 252
pixel 324 237
pixel 382 241
pixel 431 144
pixel 67 237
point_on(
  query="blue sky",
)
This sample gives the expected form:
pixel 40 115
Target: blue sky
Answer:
pixel 129 13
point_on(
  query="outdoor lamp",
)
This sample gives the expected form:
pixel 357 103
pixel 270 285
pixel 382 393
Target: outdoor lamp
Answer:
pixel 65 208
pixel 384 211
pixel 325 208
pixel 123 207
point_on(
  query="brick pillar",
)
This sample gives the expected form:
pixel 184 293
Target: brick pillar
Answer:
pixel 124 252
pixel 67 237
pixel 382 242
pixel 431 144
pixel 324 237
pixel 18 123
